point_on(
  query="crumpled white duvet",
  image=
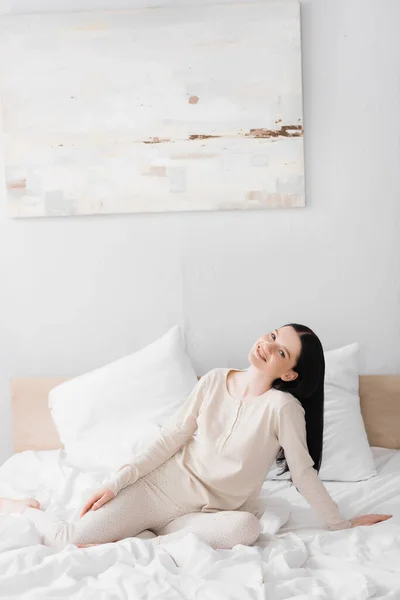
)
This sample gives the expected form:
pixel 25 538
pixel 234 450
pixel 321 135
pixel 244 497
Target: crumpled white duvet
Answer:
pixel 295 557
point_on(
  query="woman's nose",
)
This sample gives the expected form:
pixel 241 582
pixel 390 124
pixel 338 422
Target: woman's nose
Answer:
pixel 266 345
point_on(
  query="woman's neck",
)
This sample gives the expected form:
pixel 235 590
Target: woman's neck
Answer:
pixel 251 383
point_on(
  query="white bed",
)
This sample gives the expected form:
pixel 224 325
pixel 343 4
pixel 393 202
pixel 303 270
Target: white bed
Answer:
pixel 302 560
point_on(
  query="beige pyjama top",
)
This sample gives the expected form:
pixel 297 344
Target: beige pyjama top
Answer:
pixel 226 446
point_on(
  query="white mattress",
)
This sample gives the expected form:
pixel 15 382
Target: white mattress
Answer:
pixel 302 560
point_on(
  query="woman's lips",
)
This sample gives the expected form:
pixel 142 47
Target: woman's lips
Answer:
pixel 260 355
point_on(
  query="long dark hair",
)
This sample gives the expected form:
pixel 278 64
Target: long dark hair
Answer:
pixel 308 388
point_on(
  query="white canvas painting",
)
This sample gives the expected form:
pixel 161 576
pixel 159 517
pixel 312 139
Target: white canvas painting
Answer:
pixel 161 109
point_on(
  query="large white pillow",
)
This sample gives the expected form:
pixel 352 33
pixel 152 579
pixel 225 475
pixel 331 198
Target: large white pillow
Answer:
pixel 346 455
pixel 104 416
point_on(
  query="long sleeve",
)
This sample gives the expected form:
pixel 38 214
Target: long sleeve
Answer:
pixel 291 434
pixel 173 434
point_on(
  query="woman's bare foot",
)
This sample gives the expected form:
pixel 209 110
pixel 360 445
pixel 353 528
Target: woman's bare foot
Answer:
pixel 10 505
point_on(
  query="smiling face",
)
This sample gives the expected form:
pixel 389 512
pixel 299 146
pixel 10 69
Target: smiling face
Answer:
pixel 276 353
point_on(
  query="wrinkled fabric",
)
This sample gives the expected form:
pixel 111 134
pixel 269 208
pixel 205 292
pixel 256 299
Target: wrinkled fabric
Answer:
pixel 301 559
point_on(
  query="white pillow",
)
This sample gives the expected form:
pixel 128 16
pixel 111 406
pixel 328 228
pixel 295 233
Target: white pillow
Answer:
pixel 346 455
pixel 104 416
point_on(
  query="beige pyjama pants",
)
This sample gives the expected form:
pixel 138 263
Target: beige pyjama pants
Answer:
pixel 146 505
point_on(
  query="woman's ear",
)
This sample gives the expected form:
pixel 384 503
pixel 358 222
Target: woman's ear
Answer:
pixel 290 376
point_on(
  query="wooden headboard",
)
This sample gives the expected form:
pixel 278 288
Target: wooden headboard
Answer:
pixel 33 428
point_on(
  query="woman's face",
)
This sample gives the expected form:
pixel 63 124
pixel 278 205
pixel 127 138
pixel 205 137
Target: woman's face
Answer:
pixel 276 353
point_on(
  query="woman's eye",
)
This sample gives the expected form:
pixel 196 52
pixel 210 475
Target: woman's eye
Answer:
pixel 273 336
pixel 282 353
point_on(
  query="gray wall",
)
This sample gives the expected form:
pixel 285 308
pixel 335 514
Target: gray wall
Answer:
pixel 78 292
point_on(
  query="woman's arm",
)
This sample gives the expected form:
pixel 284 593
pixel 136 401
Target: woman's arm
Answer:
pixel 291 434
pixel 173 434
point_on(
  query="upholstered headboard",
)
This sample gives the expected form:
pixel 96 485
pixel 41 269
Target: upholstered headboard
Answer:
pixel 33 428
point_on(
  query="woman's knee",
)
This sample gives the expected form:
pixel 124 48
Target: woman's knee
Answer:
pixel 247 528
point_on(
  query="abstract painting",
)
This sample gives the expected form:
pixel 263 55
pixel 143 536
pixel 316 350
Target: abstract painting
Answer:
pixel 153 110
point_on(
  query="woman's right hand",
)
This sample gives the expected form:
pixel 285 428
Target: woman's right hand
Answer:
pixel 99 498
pixel 369 520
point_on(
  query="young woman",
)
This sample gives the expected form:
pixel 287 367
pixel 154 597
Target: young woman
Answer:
pixel 204 472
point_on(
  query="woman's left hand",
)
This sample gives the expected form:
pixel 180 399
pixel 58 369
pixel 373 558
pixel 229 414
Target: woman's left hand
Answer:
pixel 97 500
pixel 369 520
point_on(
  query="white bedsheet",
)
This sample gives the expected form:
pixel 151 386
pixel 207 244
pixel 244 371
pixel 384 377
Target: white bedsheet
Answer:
pixel 302 560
